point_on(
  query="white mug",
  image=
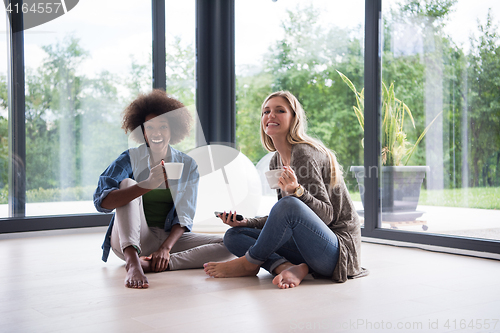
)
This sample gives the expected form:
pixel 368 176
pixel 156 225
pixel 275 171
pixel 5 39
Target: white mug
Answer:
pixel 273 177
pixel 173 170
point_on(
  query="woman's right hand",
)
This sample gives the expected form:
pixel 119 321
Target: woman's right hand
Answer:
pixel 155 179
pixel 230 220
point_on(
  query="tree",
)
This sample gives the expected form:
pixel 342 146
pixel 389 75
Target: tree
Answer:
pixel 180 65
pixel 63 87
pixel 72 121
pixel 101 138
pixel 250 92
pixel 4 132
pixel 42 138
pixel 4 152
pixel 483 107
pixel 139 78
pixel 305 62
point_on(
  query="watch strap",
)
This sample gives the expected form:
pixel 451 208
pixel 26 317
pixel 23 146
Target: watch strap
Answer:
pixel 299 191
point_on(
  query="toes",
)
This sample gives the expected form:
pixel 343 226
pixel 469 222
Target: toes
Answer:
pixel 283 282
pixel 207 268
pixel 211 269
pixel 213 274
pixel 136 284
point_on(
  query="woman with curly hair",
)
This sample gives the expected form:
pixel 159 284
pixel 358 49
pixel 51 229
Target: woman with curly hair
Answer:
pixel 154 216
pixel 313 228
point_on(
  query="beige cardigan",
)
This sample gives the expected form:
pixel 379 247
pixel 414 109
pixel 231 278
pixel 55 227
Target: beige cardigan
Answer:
pixel 332 204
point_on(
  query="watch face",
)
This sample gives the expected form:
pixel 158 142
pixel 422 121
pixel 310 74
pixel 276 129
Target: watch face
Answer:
pixel 299 191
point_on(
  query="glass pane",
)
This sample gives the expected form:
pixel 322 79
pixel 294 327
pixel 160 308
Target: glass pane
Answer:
pixel 81 70
pixel 299 46
pixel 441 60
pixel 180 33
pixel 4 130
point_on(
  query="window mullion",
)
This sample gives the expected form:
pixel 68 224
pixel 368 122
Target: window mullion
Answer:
pixel 17 132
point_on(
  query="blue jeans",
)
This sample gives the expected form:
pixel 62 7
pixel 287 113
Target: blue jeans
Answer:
pixel 292 233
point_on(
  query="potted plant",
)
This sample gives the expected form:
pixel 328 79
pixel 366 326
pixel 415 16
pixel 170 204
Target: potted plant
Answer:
pixel 400 184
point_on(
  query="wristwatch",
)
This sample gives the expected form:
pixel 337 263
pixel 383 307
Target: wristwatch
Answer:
pixel 299 191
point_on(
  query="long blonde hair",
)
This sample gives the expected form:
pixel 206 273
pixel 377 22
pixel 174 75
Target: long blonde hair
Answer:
pixel 297 134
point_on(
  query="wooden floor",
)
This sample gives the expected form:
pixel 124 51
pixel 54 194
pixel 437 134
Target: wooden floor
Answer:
pixel 57 283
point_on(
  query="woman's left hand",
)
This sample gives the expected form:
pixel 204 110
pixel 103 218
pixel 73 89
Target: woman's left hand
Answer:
pixel 159 260
pixel 288 181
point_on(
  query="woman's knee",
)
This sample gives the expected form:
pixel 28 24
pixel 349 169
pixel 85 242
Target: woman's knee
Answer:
pixel 235 237
pixel 230 237
pixel 287 204
pixel 127 182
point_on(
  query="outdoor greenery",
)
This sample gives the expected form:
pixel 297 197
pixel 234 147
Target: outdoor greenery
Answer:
pixel 73 128
pixel 472 197
pixel 73 122
pixel 436 79
pixel 395 145
pixel 477 197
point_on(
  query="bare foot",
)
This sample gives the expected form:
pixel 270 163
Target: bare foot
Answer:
pixel 233 268
pixel 291 276
pixel 135 276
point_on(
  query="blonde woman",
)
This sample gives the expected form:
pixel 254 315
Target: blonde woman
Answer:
pixel 313 228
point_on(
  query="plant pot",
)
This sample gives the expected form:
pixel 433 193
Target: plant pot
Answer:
pixel 399 190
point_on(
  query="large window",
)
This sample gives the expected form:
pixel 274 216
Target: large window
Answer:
pixel 76 88
pixel 299 46
pixel 435 62
pixel 180 45
pixel 180 58
pixel 441 60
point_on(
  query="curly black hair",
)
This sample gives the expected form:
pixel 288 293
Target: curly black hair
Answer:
pixel 157 102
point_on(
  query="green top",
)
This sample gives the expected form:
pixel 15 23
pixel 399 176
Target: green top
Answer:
pixel 157 203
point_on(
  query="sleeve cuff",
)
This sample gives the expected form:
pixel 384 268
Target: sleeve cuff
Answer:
pixel 256 222
pixel 185 222
pixel 98 201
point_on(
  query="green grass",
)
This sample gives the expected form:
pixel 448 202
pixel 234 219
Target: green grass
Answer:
pixel 474 197
pixel 355 196
pixel 78 193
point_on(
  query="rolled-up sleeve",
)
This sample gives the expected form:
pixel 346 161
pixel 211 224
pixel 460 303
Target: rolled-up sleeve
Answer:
pixel 111 178
pixel 256 222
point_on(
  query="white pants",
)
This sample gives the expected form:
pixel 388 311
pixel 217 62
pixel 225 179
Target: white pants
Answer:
pixel 190 251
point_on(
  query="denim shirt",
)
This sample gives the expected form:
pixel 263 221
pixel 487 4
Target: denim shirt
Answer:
pixel 134 164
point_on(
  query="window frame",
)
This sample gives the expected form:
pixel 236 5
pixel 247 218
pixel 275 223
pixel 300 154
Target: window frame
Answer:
pixel 372 228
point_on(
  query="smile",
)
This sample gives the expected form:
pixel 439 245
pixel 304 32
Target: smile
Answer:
pixel 157 141
pixel 272 124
